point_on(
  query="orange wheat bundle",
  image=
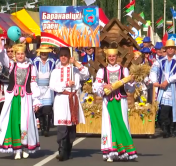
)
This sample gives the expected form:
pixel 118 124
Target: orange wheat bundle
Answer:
pixel 78 37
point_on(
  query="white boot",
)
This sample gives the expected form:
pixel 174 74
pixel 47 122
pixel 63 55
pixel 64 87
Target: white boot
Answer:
pixel 109 159
pixel 25 155
pixel 18 156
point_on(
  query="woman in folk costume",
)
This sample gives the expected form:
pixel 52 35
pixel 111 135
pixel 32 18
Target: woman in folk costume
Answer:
pixel 116 141
pixel 67 108
pixel 18 128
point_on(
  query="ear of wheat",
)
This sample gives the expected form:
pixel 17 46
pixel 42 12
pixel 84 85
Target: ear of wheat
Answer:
pixel 78 37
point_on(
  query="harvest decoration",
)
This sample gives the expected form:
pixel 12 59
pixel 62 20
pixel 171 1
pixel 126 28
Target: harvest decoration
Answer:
pixel 94 111
pixel 89 100
pixel 140 71
pixel 144 110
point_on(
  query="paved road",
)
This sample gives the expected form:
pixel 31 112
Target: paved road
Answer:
pixel 86 152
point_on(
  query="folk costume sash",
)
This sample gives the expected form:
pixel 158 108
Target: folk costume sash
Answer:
pixel 73 104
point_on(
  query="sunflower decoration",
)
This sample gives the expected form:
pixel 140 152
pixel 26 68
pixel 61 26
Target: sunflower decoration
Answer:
pixel 89 81
pixel 143 101
pixel 90 99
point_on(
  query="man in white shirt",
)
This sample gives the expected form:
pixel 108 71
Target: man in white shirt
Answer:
pixel 67 108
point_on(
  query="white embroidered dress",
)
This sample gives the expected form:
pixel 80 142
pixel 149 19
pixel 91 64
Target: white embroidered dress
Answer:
pixel 113 74
pixel 58 83
pixel 28 121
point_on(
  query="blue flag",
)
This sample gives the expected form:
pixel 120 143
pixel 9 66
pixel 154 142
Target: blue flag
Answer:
pixel 173 13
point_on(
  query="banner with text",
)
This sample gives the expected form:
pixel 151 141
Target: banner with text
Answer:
pixel 75 26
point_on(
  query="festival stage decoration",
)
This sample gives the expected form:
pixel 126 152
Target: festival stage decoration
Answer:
pixel 75 26
pixel 141 109
pixel 141 112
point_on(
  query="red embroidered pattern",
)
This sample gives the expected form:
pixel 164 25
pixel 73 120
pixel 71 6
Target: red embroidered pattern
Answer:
pixel 82 67
pixel 99 80
pixel 33 78
pixel 62 74
pixel 64 122
pixel 67 84
pixel 68 73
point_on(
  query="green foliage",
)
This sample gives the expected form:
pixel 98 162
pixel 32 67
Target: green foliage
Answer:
pixel 110 7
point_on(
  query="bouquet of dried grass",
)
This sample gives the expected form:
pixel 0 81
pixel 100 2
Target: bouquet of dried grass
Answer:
pixel 145 110
pixel 137 92
pixel 87 88
pixel 140 71
pixel 95 110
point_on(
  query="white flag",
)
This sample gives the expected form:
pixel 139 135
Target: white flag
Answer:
pixel 89 2
pixel 130 13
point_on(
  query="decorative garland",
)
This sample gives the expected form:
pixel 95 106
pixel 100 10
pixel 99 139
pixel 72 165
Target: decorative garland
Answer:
pixel 148 110
pixel 143 110
pixel 92 110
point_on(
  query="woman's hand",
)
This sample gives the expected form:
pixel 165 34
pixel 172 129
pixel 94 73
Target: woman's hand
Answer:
pixel 107 86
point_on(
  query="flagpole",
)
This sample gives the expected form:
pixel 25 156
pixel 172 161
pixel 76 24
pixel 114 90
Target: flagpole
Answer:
pixel 164 26
pixel 173 23
pixel 152 14
pixel 119 10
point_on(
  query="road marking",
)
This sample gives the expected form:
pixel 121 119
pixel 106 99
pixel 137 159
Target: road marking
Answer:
pixel 49 158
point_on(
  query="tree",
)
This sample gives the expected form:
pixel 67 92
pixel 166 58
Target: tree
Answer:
pixel 110 7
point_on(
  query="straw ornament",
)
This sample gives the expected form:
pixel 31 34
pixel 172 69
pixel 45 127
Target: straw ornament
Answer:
pixel 111 51
pixel 118 84
pixel 43 49
pixel 140 71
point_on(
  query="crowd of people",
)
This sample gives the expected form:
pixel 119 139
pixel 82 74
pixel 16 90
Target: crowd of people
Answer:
pixel 46 86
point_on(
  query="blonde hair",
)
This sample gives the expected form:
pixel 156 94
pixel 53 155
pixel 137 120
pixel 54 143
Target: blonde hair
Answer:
pixel 18 48
pixel 137 53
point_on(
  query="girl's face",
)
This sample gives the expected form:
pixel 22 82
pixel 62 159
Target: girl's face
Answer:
pixel 112 59
pixel 20 56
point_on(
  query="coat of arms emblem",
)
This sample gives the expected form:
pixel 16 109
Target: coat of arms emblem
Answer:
pixel 89 16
